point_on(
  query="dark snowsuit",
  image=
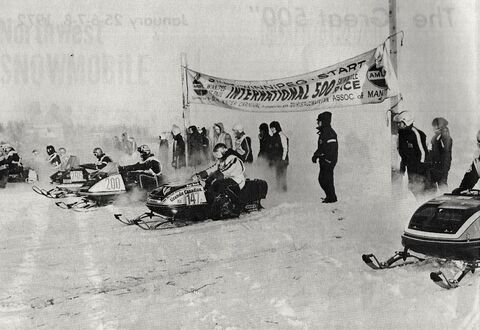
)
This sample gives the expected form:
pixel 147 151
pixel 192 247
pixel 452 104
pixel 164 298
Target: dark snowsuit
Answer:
pixel 146 172
pixel 14 163
pixel 412 148
pixel 178 151
pixel 205 145
pixel 471 177
pixel 101 162
pixel 54 159
pixel 243 146
pixel 3 170
pixel 279 155
pixel 265 140
pixel 441 154
pixel 195 147
pixel 327 155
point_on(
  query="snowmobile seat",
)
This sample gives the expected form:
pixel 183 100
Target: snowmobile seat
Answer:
pixel 254 190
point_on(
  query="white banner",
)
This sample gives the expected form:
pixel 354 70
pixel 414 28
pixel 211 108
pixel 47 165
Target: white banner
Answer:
pixel 366 78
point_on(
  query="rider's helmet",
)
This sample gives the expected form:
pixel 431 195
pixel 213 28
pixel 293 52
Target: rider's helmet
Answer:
pixel 219 150
pixel 50 150
pixel 98 152
pixel 7 147
pixel 144 151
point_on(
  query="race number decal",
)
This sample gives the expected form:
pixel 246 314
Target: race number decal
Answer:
pixel 192 198
pixel 76 176
pixel 113 183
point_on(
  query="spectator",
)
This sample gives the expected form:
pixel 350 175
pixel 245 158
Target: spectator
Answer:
pixel 441 154
pixel 265 141
pixel 205 145
pixel 163 149
pixel 117 145
pixel 195 146
pixel 125 144
pixel 412 148
pixel 242 144
pixel 178 147
pixel 326 155
pixel 279 154
pixel 220 136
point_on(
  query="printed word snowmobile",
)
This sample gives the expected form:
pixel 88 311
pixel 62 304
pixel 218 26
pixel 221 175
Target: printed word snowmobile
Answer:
pixel 446 227
pixel 173 205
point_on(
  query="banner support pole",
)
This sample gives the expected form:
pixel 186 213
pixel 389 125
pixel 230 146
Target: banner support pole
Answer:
pixel 186 104
pixel 395 176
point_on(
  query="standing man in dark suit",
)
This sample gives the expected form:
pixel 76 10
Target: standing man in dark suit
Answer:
pixel 326 155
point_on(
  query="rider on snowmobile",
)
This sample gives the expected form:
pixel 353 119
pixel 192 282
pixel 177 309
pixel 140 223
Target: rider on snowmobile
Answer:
pixel 3 168
pixel 14 162
pixel 472 175
pixel 53 157
pixel 226 176
pixel 148 171
pixel 102 160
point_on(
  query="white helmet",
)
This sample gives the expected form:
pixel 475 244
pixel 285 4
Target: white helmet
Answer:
pixel 405 117
pixel 238 128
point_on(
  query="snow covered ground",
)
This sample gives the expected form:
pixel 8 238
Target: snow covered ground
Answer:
pixel 295 265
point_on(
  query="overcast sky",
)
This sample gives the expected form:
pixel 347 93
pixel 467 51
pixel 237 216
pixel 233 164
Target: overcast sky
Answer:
pixel 127 67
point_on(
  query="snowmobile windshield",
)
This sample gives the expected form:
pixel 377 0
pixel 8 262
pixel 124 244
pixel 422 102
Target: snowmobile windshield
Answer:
pixel 431 218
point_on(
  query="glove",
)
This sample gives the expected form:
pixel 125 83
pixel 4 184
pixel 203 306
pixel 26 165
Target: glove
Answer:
pixel 314 159
pixel 203 174
pixel 457 191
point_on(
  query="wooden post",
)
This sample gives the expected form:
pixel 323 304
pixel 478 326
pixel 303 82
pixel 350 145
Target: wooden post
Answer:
pixel 395 158
pixel 186 104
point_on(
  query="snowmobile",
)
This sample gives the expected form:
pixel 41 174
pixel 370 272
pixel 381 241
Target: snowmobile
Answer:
pixel 66 184
pixel 446 227
pixel 103 187
pixel 174 205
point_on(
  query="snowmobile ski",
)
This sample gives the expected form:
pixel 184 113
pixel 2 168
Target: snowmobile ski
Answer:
pixel 443 281
pixel 81 205
pixel 53 193
pixel 372 261
pixel 149 221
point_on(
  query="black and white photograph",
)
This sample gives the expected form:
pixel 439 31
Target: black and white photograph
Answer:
pixel 258 164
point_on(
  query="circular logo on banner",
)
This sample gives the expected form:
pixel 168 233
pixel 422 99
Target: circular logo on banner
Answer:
pixel 198 88
pixel 377 76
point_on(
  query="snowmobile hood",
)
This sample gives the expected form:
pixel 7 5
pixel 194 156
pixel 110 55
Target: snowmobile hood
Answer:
pixel 168 189
pixel 446 215
pixel 456 202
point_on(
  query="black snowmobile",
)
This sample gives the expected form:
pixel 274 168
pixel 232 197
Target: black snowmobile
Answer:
pixel 173 205
pixel 446 227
